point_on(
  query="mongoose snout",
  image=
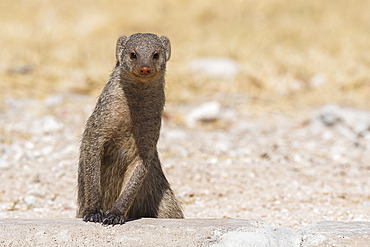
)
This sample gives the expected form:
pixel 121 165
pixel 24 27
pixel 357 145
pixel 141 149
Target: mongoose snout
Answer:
pixel 145 70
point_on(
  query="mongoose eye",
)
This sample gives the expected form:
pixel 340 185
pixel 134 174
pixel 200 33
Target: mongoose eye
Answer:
pixel 156 56
pixel 133 55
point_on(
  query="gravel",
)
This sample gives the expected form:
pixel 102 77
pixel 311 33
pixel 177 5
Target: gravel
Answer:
pixel 290 169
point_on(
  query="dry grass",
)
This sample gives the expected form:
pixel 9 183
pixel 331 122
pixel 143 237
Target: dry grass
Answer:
pixel 52 46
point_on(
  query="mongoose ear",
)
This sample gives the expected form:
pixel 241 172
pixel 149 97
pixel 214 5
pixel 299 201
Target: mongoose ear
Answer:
pixel 167 45
pixel 119 47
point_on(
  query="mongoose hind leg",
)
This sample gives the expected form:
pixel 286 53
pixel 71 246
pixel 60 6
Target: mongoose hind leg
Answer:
pixel 155 198
pixel 160 203
pixel 169 206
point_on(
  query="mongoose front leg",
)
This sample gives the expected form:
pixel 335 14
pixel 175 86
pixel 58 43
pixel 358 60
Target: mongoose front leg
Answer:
pixel 91 163
pixel 131 185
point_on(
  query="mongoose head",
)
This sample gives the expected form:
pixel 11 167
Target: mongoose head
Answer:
pixel 143 56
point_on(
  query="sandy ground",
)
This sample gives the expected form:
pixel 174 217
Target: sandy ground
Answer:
pixel 293 168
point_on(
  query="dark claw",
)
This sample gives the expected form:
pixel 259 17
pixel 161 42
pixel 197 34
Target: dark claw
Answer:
pixel 114 219
pixel 96 216
pixel 106 221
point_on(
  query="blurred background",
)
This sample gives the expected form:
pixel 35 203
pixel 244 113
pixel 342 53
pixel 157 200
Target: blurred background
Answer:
pixel 288 53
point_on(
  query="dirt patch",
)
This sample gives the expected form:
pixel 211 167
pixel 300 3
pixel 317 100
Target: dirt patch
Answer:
pixel 288 169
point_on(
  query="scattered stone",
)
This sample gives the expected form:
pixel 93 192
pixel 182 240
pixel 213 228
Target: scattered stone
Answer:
pixel 29 200
pixel 54 100
pixel 175 135
pixel 4 163
pixel 207 112
pixel 46 124
pixel 222 147
pixel 317 80
pixel 334 233
pixel 21 69
pixel 15 106
pixel 264 237
pixel 215 67
pixel 357 121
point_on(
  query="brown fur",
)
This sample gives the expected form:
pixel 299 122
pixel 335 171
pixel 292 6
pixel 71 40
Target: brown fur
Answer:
pixel 119 173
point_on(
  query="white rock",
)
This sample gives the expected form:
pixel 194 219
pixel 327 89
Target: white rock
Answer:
pixel 215 67
pixel 29 200
pixel 317 80
pixel 46 150
pixel 4 163
pixel 354 120
pixel 264 236
pixel 54 100
pixel 20 107
pixel 175 135
pixel 240 151
pixel 35 192
pixel 19 104
pixel 222 146
pixel 47 124
pixel 206 112
pixel 29 145
pixel 329 115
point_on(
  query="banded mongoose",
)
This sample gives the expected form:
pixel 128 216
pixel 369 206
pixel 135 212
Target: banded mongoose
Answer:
pixel 119 173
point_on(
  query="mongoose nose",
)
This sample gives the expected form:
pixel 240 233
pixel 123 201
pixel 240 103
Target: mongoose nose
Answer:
pixel 145 70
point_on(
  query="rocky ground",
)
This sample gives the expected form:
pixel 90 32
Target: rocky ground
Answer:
pixel 224 160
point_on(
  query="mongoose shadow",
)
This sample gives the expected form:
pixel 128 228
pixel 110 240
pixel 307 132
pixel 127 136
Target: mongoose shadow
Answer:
pixel 120 175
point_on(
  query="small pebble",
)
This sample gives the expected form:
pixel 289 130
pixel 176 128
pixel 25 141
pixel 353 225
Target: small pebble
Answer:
pixel 215 67
pixel 206 112
pixel 4 163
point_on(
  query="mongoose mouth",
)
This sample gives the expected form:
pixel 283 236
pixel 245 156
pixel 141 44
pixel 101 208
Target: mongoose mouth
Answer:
pixel 144 78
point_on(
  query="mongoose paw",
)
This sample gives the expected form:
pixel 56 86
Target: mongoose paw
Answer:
pixel 93 216
pixel 112 218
